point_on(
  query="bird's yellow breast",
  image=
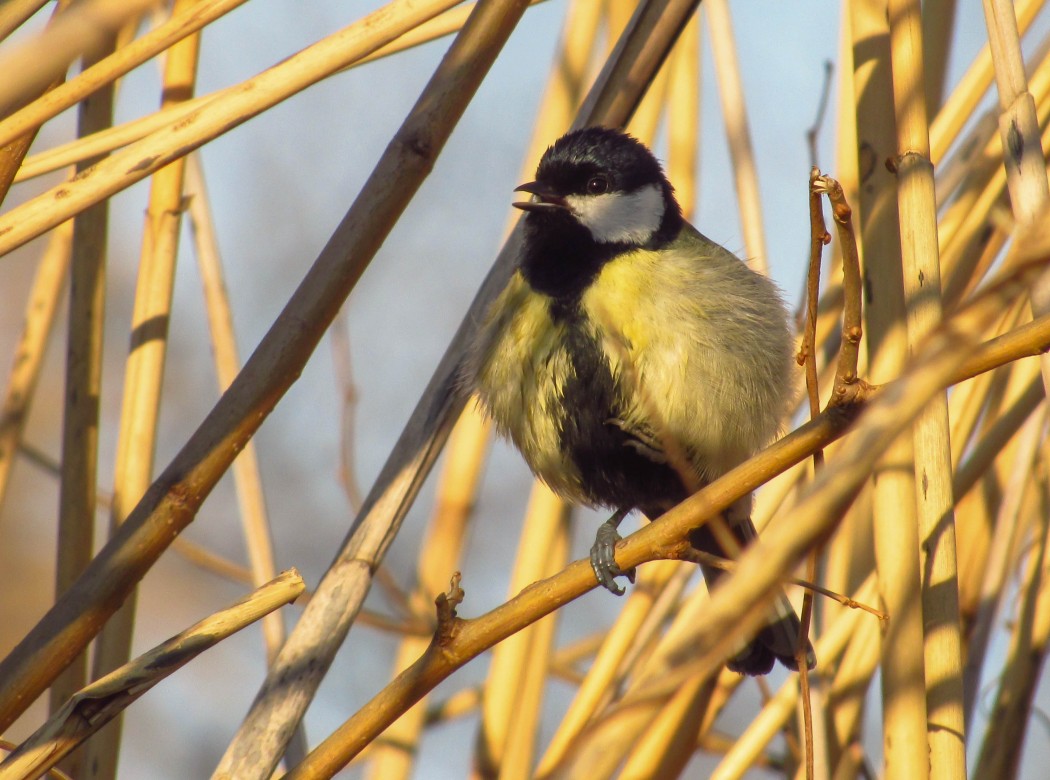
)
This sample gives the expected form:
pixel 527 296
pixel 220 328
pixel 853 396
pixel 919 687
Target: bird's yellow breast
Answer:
pixel 619 303
pixel 699 344
pixel 520 380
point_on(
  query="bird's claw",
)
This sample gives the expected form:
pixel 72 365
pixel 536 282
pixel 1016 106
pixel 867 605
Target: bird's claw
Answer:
pixel 603 559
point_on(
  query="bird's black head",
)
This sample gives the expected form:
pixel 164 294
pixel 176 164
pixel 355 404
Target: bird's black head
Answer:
pixel 607 182
pixel 598 193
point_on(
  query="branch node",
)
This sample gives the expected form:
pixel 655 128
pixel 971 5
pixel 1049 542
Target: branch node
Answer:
pixel 853 393
pixel 803 355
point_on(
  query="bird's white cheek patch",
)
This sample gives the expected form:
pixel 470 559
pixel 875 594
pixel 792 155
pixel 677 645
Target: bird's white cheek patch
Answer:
pixel 618 217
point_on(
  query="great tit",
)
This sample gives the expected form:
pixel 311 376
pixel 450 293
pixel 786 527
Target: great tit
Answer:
pixel 631 359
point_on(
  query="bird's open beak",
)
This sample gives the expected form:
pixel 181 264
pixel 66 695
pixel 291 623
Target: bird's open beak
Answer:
pixel 544 198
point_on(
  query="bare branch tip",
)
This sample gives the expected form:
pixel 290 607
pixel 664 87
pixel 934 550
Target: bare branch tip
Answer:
pixel 446 604
pixel 454 595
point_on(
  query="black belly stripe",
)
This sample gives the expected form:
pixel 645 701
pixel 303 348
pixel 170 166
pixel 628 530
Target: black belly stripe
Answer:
pixel 614 473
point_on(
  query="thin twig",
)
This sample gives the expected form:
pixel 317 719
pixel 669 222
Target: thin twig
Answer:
pixel 852 330
pixel 339 337
pixel 818 239
pixel 801 658
pixel 818 121
pixel 725 564
pixel 255 523
pixel 41 306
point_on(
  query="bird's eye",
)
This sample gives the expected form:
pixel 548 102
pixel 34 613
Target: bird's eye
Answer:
pixel 597 185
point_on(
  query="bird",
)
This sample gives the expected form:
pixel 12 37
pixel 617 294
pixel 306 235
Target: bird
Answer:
pixel 631 360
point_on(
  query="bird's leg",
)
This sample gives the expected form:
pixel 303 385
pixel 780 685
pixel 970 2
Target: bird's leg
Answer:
pixel 603 558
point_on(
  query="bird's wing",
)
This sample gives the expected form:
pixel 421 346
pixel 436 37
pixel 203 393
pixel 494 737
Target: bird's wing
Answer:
pixel 642 439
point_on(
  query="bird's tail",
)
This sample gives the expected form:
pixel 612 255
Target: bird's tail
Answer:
pixel 779 639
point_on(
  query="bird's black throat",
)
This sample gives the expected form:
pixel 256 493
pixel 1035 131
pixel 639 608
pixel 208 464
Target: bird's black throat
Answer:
pixel 562 258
